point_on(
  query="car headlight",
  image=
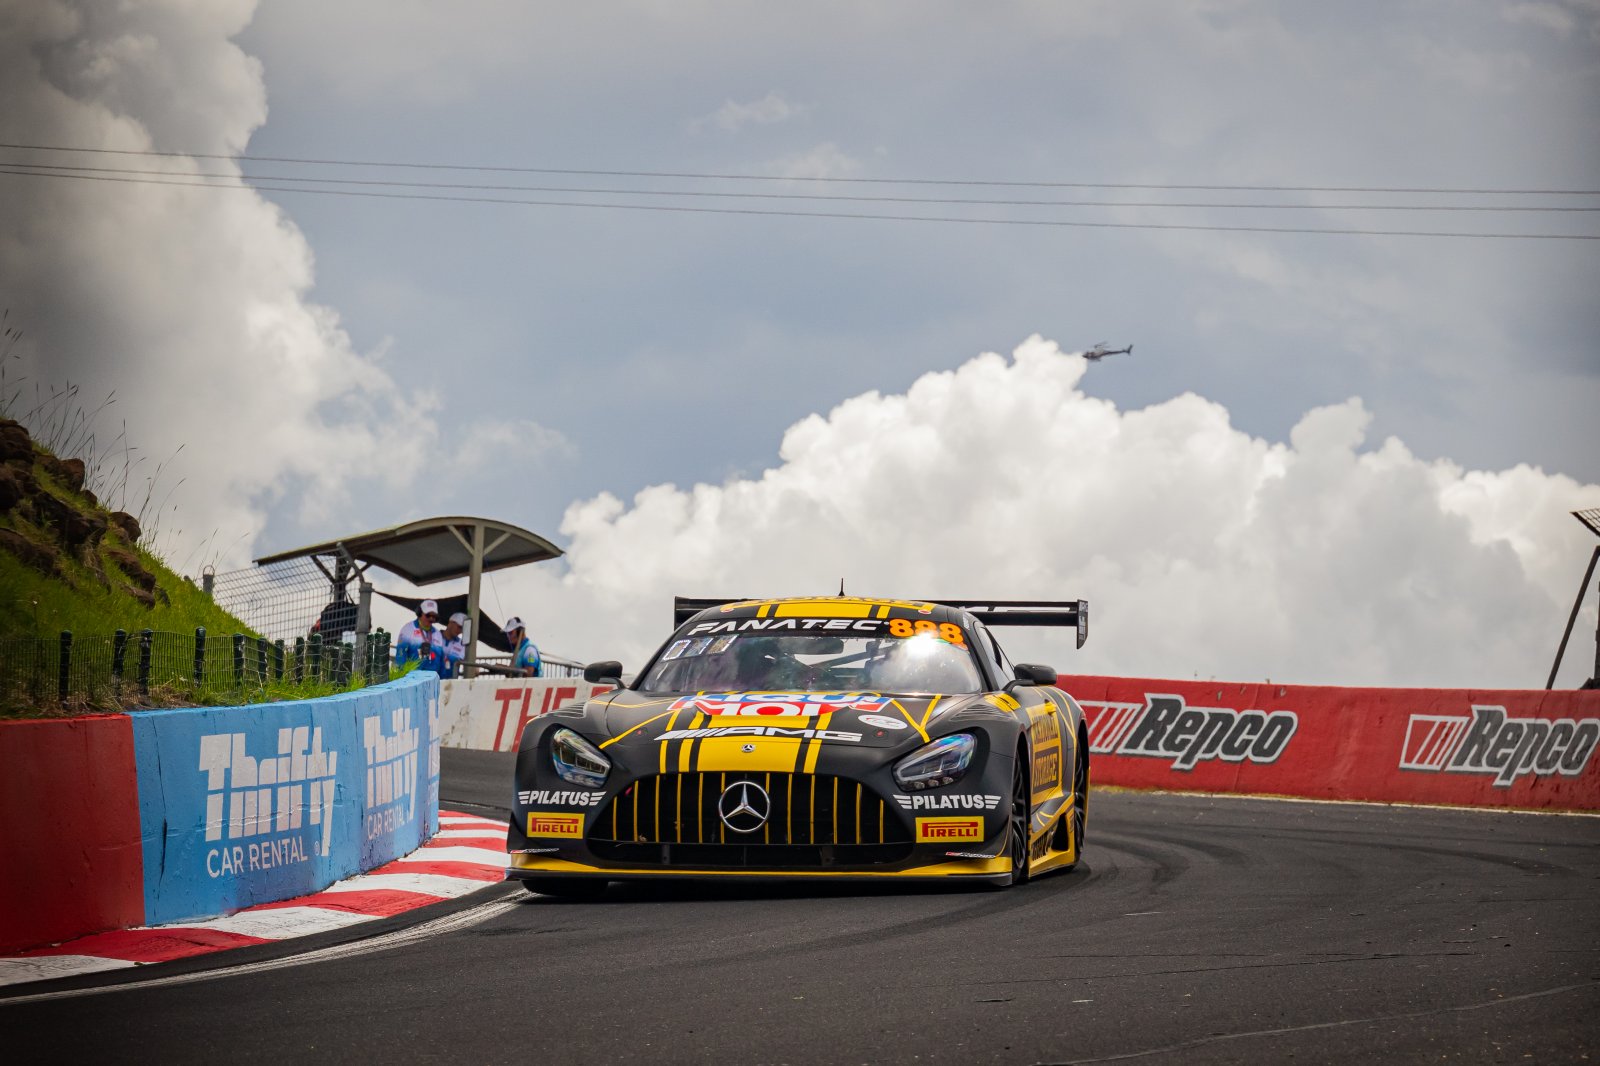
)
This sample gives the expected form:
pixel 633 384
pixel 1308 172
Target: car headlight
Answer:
pixel 577 760
pixel 941 763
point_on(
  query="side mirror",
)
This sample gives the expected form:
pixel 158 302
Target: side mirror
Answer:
pixel 607 670
pixel 1033 674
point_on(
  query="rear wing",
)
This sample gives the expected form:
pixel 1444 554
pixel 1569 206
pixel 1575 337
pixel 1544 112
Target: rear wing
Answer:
pixel 1068 613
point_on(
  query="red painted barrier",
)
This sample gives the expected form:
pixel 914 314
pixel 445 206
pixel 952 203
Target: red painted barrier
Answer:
pixel 70 856
pixel 1462 747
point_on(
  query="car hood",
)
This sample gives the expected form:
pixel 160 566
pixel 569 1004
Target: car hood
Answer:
pixel 860 719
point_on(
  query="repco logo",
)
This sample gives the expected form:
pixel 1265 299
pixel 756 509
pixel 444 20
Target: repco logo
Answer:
pixel 1164 728
pixel 1490 742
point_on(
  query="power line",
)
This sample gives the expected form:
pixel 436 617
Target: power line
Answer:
pixel 778 177
pixel 768 212
pixel 64 170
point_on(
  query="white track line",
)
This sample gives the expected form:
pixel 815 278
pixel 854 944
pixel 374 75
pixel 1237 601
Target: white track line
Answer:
pixel 495 831
pixel 477 856
pixel 46 967
pixel 399 938
pixel 427 884
pixel 277 923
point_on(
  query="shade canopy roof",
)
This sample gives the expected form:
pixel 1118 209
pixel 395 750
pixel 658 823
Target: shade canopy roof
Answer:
pixel 434 549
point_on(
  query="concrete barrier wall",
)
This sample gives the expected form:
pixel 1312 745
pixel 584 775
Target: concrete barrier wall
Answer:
pixel 488 713
pixel 70 859
pixel 164 816
pixel 1524 749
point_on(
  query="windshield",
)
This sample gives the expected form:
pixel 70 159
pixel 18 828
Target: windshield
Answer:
pixel 922 662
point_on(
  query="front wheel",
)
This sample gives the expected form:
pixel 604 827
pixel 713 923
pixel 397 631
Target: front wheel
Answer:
pixel 1021 818
pixel 565 888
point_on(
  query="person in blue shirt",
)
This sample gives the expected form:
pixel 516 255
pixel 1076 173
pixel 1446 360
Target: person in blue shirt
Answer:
pixel 525 654
pixel 453 646
pixel 417 640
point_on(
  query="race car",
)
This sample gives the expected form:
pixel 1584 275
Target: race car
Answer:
pixel 813 737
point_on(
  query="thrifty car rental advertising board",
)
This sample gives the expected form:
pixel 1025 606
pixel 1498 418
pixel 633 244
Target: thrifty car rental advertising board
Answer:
pixel 245 805
pixel 1529 749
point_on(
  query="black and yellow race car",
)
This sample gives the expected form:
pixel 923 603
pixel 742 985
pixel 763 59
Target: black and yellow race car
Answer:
pixel 824 737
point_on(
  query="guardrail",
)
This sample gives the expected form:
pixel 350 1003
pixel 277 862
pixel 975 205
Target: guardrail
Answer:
pixel 166 815
pixel 1459 747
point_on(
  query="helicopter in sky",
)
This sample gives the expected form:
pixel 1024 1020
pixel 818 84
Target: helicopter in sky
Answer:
pixel 1100 351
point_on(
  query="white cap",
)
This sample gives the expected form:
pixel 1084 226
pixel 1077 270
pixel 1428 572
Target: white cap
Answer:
pixel 459 619
pixel 512 623
pixel 429 607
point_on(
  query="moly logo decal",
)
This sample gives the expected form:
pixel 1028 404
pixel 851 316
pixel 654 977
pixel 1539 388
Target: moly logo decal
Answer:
pixel 782 704
pixel 1163 727
pixel 258 806
pixel 1494 744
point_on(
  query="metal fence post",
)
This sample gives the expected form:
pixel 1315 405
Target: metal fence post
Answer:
pixel 299 659
pixel 199 655
pixel 261 660
pixel 238 658
pixel 277 660
pixel 363 608
pixel 66 665
pixel 119 651
pixel 316 657
pixel 146 641
pixel 208 583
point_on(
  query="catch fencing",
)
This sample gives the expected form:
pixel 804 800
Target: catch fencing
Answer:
pixel 297 598
pixel 79 674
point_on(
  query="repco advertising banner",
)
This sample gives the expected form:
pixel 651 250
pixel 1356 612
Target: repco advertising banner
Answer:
pixel 488 713
pixel 1466 747
pixel 244 805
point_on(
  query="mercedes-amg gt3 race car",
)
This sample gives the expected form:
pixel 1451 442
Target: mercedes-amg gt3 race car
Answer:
pixel 826 737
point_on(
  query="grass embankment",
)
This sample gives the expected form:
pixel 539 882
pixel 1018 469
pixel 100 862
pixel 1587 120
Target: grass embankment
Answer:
pixel 69 565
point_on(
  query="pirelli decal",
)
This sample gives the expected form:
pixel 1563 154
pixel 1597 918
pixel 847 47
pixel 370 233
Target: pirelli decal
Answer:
pixel 948 830
pixel 546 824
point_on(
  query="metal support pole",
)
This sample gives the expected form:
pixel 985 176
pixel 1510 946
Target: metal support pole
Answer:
pixel 119 651
pixel 199 655
pixel 299 659
pixel 277 660
pixel 238 658
pixel 363 608
pixel 66 665
pixel 474 583
pixel 208 583
pixel 1583 586
pixel 146 641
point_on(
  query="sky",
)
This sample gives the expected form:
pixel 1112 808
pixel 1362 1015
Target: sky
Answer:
pixel 677 335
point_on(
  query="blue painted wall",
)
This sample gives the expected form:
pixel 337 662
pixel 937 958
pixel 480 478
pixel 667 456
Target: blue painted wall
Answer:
pixel 247 805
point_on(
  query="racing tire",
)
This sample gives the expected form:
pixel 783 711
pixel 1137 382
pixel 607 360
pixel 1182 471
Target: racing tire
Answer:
pixel 565 888
pixel 1076 822
pixel 1021 819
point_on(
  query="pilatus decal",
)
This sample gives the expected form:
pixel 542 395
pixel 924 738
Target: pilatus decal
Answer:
pixel 954 802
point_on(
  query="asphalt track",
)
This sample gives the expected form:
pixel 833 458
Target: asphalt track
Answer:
pixel 1197 930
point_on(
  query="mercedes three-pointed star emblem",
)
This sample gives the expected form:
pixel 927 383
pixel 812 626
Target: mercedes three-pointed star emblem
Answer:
pixel 744 806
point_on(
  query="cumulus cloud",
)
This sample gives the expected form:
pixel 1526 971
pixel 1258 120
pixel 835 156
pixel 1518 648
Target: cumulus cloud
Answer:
pixel 191 306
pixel 732 117
pixel 1202 550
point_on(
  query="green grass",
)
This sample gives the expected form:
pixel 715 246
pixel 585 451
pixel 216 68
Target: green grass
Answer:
pixel 36 608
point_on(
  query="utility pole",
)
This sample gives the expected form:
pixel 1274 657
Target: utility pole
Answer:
pixel 1591 522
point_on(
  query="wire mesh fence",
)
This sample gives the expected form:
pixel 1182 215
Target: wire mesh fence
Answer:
pixel 76 674
pixel 297 598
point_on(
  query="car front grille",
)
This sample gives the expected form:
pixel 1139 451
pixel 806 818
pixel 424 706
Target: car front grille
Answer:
pixel 814 820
